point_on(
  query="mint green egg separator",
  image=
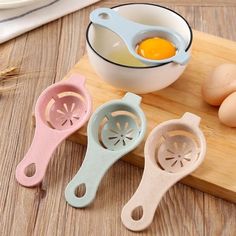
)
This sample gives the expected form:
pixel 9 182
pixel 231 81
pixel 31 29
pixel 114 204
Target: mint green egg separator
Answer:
pixel 115 129
pixel 132 33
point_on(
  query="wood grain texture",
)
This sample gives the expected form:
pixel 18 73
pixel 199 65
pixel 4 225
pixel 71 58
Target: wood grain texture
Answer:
pixel 48 53
pixel 217 173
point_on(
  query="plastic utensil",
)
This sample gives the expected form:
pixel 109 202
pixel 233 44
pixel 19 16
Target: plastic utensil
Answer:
pixel 173 150
pixel 60 110
pixel 133 33
pixel 116 128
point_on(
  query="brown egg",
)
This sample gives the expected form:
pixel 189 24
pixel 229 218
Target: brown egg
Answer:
pixel 227 111
pixel 219 84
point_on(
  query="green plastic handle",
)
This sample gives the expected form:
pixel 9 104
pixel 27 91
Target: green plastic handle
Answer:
pixel 99 158
pixel 96 163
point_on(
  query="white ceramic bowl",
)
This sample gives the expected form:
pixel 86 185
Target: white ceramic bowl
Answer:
pixel 138 79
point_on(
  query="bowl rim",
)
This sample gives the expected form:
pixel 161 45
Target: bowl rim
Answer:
pixel 139 67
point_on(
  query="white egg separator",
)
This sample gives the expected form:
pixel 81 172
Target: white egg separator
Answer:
pixel 133 33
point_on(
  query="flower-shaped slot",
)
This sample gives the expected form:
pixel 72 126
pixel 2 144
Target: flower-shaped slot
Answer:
pixel 119 131
pixel 65 111
pixel 177 152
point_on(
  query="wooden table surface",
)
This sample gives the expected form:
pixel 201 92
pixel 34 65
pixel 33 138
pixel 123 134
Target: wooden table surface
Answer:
pixel 44 56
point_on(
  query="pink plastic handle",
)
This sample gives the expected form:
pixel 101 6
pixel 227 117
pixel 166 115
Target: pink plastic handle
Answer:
pixel 46 139
pixel 43 145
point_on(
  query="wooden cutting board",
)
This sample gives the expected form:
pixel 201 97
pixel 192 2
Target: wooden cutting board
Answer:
pixel 217 175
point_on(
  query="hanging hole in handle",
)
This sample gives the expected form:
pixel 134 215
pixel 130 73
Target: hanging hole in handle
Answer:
pixel 30 170
pixel 80 190
pixel 137 213
pixel 104 16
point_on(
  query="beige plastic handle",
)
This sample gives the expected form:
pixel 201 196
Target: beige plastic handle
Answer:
pixel 152 187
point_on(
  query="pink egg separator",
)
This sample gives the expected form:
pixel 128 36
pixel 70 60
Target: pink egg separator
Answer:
pixel 60 110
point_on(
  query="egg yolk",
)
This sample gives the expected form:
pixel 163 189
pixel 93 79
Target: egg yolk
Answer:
pixel 156 49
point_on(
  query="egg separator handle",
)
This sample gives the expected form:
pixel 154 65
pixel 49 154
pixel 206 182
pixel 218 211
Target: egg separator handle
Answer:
pixel 132 99
pixel 191 119
pixel 96 162
pixel 43 145
pixel 111 20
pixel 152 187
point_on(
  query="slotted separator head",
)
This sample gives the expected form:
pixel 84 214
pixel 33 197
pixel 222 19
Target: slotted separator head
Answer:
pixel 177 153
pixel 66 112
pixel 60 110
pixel 177 145
pixel 64 106
pixel 114 129
pixel 173 150
pixel 119 132
pixel 118 125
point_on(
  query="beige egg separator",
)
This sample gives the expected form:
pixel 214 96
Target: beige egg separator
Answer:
pixel 173 150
